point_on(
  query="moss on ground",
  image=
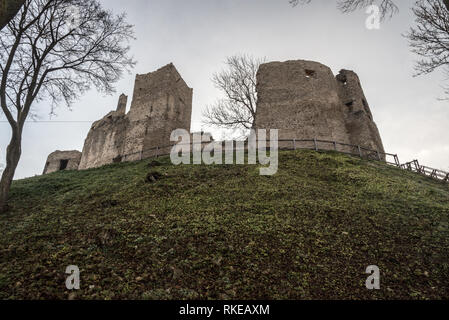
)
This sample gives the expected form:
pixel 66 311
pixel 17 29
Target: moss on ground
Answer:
pixel 150 230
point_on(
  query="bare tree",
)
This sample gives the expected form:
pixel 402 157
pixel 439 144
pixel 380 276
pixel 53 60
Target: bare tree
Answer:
pixel 429 39
pixel 387 7
pixel 56 50
pixel 238 83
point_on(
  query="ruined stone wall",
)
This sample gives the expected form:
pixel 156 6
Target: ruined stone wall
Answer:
pixel 122 102
pixel 105 142
pixel 361 127
pixel 168 101
pixel 62 160
pixel 162 102
pixel 301 100
pixel 304 100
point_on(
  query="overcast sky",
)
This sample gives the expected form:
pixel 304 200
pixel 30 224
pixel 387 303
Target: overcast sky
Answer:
pixel 197 36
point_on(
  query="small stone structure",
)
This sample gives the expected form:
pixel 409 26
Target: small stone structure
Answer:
pixel 162 102
pixel 304 100
pixel 62 160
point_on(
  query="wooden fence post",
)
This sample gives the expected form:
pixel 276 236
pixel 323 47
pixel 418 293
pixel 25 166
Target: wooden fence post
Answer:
pixel 294 144
pixel 335 145
pixel 415 162
pixel 316 144
pixel 378 155
pixel 157 152
pixel 433 175
pixel 396 159
pixel 360 151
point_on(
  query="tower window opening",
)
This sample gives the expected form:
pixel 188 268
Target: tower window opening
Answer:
pixel 310 73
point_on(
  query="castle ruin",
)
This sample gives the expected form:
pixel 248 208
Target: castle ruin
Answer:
pixel 304 100
pixel 162 102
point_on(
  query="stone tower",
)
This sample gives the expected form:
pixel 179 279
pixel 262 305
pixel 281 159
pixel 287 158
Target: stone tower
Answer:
pixel 304 100
pixel 122 102
pixel 162 102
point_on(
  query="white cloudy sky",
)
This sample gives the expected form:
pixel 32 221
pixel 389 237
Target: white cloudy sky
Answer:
pixel 197 36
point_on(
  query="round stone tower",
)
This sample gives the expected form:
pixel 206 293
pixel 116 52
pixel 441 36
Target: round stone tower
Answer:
pixel 305 101
pixel 300 99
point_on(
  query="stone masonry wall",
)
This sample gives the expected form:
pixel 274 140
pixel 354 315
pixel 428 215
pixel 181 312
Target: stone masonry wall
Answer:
pixel 162 102
pixel 168 100
pixel 105 142
pixel 304 100
pixel 361 127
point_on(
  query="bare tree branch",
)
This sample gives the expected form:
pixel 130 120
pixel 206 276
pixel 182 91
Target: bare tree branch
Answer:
pixel 238 84
pixel 47 52
pixel 429 38
pixel 388 8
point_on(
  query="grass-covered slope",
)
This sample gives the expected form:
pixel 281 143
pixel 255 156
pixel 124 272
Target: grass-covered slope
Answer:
pixel 225 232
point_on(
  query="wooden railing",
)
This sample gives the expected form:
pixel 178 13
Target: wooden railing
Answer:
pixel 309 144
pixel 354 150
pixel 414 166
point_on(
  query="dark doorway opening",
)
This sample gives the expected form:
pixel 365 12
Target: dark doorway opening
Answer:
pixel 63 164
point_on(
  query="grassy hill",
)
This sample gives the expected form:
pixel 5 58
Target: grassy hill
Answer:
pixel 150 230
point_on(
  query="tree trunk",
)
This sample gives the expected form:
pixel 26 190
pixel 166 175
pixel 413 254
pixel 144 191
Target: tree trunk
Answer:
pixel 13 154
